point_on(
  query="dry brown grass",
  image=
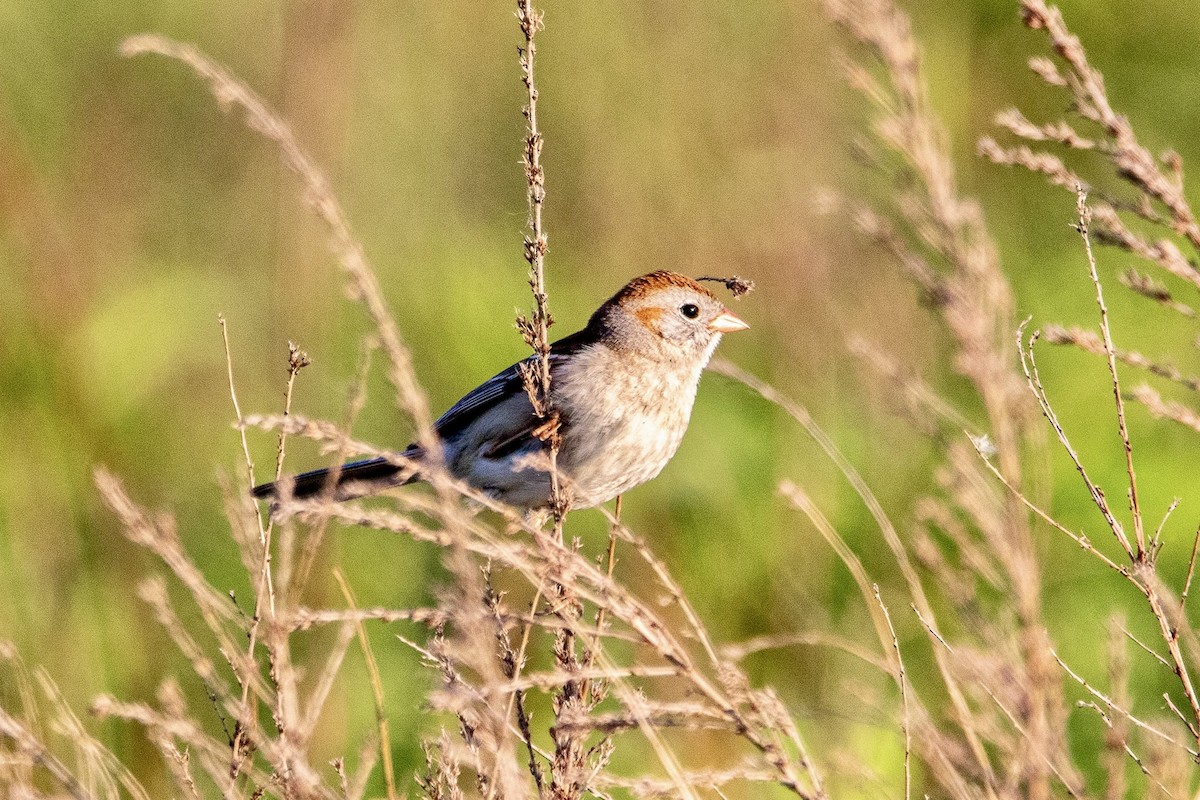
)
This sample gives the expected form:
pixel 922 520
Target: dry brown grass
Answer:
pixel 634 666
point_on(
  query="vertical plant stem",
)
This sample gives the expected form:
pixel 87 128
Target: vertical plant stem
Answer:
pixel 385 739
pixel 515 663
pixel 297 360
pixel 1085 221
pixel 263 588
pixel 902 682
pixel 601 613
pixel 1116 743
pixel 1191 571
pixel 536 329
pixel 568 769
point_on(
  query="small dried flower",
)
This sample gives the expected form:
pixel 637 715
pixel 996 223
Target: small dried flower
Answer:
pixel 734 283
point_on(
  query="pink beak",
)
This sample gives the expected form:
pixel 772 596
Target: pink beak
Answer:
pixel 726 322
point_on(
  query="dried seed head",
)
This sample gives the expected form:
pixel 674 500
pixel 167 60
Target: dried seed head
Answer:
pixel 734 283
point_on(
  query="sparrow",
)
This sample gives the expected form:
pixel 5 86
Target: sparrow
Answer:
pixel 622 389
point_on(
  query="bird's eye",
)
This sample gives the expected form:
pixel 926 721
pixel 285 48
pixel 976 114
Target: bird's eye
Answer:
pixel 689 310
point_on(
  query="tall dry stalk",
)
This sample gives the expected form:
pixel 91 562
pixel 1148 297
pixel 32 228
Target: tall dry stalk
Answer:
pixel 941 242
pixel 535 329
pixel 1146 194
pixel 940 239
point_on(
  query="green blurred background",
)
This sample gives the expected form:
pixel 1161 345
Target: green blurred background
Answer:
pixel 701 136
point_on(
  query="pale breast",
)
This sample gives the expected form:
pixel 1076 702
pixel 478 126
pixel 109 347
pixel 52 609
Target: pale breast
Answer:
pixel 621 431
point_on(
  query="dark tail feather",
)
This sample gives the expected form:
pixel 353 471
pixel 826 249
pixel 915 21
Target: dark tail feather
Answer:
pixel 355 479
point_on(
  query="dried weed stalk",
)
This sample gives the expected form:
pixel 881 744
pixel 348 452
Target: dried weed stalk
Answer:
pixel 535 329
pixel 976 540
pixel 1137 202
pixel 1134 203
pixel 1005 730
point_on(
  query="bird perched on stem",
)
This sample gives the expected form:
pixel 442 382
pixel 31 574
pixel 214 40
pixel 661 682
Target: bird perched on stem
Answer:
pixel 621 389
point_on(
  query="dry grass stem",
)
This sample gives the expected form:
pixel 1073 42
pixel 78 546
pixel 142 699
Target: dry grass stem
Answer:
pixel 902 682
pixel 1112 706
pixel 536 329
pixel 29 747
pixel 265 589
pixel 385 739
pixel 1084 228
pixel 297 360
pixel 1117 741
pixel 1092 343
pixel 1166 409
pixel 230 92
pixel 1032 376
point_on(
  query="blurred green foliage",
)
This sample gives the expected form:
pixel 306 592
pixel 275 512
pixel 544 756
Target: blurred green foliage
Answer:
pixel 700 136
